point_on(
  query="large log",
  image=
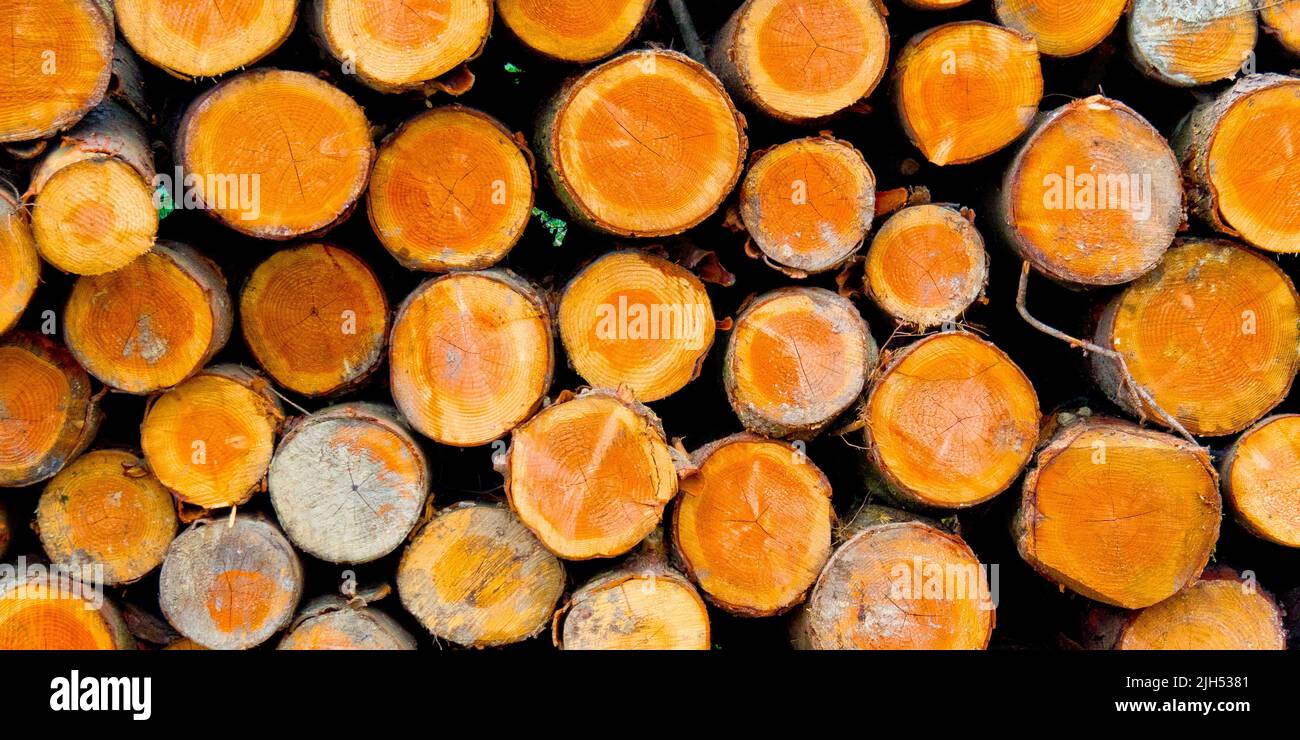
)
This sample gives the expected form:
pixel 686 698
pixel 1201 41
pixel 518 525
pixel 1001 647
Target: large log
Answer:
pixel 574 30
pixel 1261 479
pixel 1187 43
pixel 190 39
pixel 1062 28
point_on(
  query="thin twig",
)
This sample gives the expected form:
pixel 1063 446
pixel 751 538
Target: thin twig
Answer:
pixel 686 27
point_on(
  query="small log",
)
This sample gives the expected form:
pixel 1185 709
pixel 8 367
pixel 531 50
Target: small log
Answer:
pixel 1187 43
pixel 1281 20
pixel 1062 28
pixel 801 61
pixel 53 44
pixel 1091 519
pixel 104 510
pixel 315 317
pixel 808 203
pixel 275 154
pixel 753 524
pixel 476 576
pixel 93 195
pixel 951 421
pixel 1242 167
pixel 926 265
pixel 334 623
pixel 631 318
pixel 230 583
pixel 965 90
pixel 1204 288
pixel 642 605
pixel 1260 473
pixel 209 440
pixel 40 611
pixel 20 265
pixel 452 190
pixel 590 475
pixel 580 31
pixel 151 324
pixel 188 39
pixel 396 46
pixel 471 356
pixel 348 483
pixel 797 359
pixel 47 413
pixel 646 144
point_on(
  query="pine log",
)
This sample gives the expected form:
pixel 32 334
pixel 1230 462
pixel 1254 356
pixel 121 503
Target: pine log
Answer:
pixel 645 144
pixel 631 318
pixel 580 31
pixel 20 264
pixel 1281 20
pixel 348 483
pixel 926 265
pixel 315 317
pixel 801 61
pixel 1187 43
pixel 965 90
pixel 189 39
pixel 1062 28
pixel 1260 473
pixel 334 623
pixel 1163 325
pixel 471 356
pixel 1093 519
pixel 44 611
pixel 479 175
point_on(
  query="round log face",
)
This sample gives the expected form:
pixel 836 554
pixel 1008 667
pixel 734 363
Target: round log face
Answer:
pixel 94 216
pixel 40 613
pixel 636 611
pixel 49 413
pixel 1220 613
pixel 20 267
pixel 330 623
pixel 205 39
pixel 1261 479
pixel 926 265
pixel 1062 28
pixel 1192 43
pixel 1281 18
pixel 574 30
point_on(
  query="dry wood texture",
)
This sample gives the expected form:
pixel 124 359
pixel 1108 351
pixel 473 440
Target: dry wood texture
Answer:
pixel 53 613
pixel 1062 28
pixel 1261 479
pixel 20 265
pixel 333 623
pixel 1187 43
pixel 574 30
pixel 1281 20
pixel 926 265
pixel 191 39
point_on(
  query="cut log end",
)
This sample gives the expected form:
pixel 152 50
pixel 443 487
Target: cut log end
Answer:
pixel 316 318
pixel 331 623
pixel 191 39
pixel 20 264
pixel 1187 44
pixel 472 356
pixel 1091 520
pixel 926 265
pixel 634 319
pixel 475 171
pixel 1062 28
pixel 809 203
pixel 797 359
pixel 44 613
pixel 965 90
pixel 1281 19
pixel 94 216
pixel 574 30
pixel 1261 479
pixel 476 576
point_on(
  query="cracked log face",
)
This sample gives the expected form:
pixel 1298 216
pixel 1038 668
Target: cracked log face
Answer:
pixel 1189 43
pixel 276 154
pixel 331 623
pixel 797 359
pixel 195 39
pixel 47 614
pixel 471 357
pixel 20 265
pixel 574 30
pixel 106 509
pixel 1062 28
pixel 151 324
pixel 476 576
pixel 950 422
pixel 316 318
pixel 1091 520
pixel 926 265
pixel 1261 479
pixel 452 190
pixel 1212 335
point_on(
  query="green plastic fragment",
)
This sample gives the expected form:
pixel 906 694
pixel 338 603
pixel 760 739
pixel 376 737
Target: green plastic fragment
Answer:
pixel 558 228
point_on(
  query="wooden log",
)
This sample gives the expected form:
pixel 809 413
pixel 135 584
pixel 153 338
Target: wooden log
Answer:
pixel 471 356
pixel 475 575
pixel 1211 335
pixel 348 483
pixel 646 144
pixel 641 605
pixel 230 583
pixel 926 265
pixel 797 359
pixel 334 623
pixel 951 421
pixel 20 265
pixel 580 31
pixel 808 203
pixel 753 524
pixel 51 611
pixel 105 510
pixel 151 324
pixel 1062 28
pixel 1221 611
pixel 479 175
pixel 398 46
pixel 93 195
pixel 315 317
pixel 1281 20
pixel 1091 520
pixel 590 475
pixel 210 439
pixel 47 413
pixel 965 90
pixel 188 39
pixel 275 154
pixel 631 318
pixel 54 44
pixel 1242 169
pixel 1260 474
pixel 801 61
pixel 1187 43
